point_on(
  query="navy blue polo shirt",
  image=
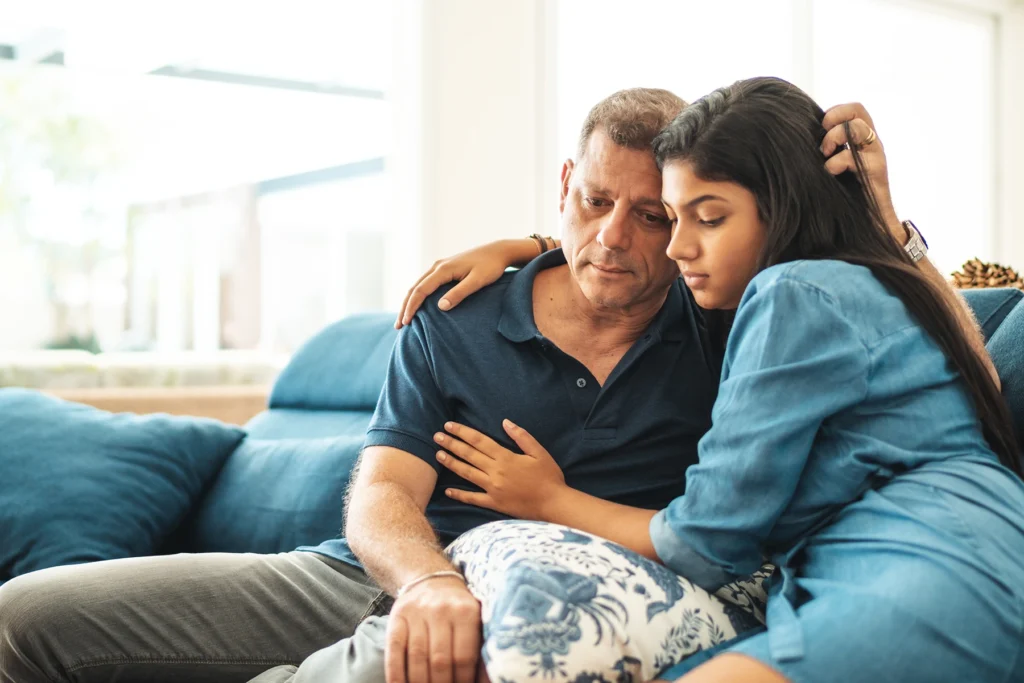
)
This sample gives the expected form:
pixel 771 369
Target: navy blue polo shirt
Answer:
pixel 629 441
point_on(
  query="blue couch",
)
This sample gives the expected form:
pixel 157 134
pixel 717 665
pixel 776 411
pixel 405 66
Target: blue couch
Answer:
pixel 272 499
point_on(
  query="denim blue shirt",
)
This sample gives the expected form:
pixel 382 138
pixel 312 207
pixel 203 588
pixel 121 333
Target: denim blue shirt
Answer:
pixel 829 387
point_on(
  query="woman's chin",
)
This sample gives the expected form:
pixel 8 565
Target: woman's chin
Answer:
pixel 705 299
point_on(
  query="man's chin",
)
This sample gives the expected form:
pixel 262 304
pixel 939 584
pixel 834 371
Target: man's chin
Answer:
pixel 608 297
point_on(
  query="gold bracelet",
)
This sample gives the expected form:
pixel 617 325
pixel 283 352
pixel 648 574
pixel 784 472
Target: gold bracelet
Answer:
pixel 426 577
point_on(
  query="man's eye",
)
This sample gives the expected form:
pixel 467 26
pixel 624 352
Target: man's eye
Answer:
pixel 655 219
pixel 595 201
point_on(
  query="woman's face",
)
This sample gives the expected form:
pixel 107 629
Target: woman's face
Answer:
pixel 716 235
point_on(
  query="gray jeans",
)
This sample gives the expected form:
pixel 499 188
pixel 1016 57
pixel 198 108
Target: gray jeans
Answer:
pixel 359 659
pixel 211 617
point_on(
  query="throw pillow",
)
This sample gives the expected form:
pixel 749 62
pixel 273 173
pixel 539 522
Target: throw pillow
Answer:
pixel 562 603
pixel 275 495
pixel 79 484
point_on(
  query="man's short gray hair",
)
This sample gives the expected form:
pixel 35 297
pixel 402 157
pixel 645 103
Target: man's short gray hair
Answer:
pixel 631 118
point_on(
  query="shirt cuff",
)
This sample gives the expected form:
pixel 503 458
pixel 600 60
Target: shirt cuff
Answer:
pixel 684 560
pixel 424 449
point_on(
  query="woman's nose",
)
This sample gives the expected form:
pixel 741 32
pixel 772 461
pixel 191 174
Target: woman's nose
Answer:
pixel 682 246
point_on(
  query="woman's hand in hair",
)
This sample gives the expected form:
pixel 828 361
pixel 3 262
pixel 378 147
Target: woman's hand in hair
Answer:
pixel 839 158
pixel 522 485
pixel 473 270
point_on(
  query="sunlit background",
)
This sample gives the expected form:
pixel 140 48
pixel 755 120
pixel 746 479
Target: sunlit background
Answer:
pixel 218 176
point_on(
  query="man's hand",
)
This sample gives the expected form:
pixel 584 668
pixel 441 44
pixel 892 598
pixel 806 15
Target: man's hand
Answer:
pixel 434 634
pixel 873 156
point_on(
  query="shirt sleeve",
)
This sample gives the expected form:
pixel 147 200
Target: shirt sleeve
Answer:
pixel 411 407
pixel 792 361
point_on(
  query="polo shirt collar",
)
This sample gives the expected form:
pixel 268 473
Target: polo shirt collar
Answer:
pixel 517 323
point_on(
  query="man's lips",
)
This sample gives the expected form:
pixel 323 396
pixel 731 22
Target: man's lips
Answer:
pixel 614 270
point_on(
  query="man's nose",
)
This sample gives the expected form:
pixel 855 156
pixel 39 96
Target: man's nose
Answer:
pixel 615 230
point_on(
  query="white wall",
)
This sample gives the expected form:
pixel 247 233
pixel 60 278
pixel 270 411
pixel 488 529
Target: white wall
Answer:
pixel 1010 140
pixel 475 125
pixel 469 107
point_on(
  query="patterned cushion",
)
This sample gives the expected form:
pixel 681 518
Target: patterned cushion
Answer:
pixel 565 605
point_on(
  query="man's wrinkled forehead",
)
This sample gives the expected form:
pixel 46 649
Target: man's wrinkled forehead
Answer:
pixel 610 169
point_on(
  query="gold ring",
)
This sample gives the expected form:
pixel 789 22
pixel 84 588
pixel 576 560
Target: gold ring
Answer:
pixel 869 139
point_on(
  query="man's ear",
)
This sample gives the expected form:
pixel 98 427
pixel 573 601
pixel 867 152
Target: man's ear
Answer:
pixel 567 169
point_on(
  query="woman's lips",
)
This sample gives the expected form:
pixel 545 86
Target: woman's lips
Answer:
pixel 695 280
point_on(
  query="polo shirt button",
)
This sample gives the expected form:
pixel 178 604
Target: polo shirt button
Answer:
pixel 581 382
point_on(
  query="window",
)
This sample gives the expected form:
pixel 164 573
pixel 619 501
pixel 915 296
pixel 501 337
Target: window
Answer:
pixel 189 180
pixel 687 47
pixel 929 82
pixel 928 79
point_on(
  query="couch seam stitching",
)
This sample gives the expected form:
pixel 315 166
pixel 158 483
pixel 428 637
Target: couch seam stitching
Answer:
pixel 173 660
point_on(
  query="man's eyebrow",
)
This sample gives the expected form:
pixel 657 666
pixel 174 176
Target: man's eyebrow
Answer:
pixel 590 188
pixel 699 200
pixel 652 202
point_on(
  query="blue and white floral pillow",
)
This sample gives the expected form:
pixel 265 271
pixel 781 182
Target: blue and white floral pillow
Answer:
pixel 565 606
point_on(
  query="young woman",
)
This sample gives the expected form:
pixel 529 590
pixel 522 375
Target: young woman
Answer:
pixel 857 441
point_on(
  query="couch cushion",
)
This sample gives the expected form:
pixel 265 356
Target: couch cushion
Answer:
pixel 79 484
pixel 1007 349
pixel 341 368
pixel 293 423
pixel 273 496
pixel 1000 312
pixel 991 306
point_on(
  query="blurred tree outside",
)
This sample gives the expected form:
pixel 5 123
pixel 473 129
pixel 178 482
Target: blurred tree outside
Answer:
pixel 54 163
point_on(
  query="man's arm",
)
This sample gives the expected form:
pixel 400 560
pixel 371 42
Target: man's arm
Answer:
pixel 386 525
pixel 434 628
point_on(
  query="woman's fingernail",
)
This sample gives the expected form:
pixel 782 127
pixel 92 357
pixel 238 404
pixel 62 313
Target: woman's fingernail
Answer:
pixel 444 304
pixel 441 456
pixel 439 438
pixel 449 426
pixel 509 425
pixel 448 492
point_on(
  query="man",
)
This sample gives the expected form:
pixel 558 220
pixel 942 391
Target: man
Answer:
pixel 588 354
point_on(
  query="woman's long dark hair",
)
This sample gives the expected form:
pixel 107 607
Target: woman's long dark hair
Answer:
pixel 764 134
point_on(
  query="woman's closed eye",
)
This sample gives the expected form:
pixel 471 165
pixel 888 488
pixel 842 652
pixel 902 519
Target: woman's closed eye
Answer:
pixel 711 222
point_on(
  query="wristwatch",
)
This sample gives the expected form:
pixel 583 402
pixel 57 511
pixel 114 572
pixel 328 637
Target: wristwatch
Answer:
pixel 916 246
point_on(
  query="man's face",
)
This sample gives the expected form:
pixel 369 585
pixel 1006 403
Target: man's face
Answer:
pixel 614 227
